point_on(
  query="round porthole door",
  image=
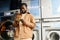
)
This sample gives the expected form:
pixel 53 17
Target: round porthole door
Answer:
pixel 53 35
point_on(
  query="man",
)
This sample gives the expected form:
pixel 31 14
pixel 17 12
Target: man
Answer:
pixel 24 24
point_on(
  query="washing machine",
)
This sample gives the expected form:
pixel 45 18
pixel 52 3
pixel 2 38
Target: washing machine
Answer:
pixel 37 35
pixel 51 34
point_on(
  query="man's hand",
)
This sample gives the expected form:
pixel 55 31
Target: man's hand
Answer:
pixel 27 23
pixel 22 20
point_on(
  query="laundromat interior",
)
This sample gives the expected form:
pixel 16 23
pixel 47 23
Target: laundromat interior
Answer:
pixel 45 12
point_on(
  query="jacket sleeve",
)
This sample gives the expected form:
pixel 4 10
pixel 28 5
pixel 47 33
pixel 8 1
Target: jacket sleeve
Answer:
pixel 31 24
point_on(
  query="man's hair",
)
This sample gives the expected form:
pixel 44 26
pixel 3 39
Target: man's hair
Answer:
pixel 23 4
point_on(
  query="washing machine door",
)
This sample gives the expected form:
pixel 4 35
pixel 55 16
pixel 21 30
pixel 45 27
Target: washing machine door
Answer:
pixel 35 35
pixel 53 35
pixel 5 27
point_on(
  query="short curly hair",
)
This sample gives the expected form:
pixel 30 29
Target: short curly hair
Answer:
pixel 24 4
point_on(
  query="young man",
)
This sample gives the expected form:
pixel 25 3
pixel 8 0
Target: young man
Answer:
pixel 24 24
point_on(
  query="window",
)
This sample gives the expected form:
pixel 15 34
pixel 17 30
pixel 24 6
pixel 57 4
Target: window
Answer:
pixel 38 26
pixel 35 8
pixel 55 7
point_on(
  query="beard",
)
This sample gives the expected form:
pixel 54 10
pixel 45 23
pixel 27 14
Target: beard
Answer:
pixel 23 11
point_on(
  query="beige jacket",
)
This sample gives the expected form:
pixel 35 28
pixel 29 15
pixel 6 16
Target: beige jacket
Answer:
pixel 22 30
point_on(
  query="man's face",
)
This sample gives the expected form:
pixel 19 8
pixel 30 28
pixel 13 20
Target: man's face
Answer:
pixel 23 9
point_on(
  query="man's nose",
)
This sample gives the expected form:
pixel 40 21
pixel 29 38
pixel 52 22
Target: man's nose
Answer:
pixel 23 9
